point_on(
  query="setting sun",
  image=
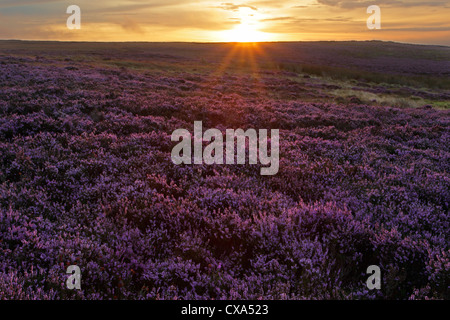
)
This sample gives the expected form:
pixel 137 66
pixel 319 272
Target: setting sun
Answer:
pixel 248 28
pixel 245 33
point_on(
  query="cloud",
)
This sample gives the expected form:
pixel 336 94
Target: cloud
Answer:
pixel 395 3
pixel 21 3
pixel 131 25
pixel 295 20
pixel 235 7
pixel 419 29
pixel 136 5
pixel 278 19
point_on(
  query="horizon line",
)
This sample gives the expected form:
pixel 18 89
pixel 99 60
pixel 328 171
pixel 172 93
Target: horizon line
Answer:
pixel 224 42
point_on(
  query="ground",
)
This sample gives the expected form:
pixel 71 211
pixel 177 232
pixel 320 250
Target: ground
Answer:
pixel 86 174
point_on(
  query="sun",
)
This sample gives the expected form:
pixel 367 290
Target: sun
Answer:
pixel 248 28
pixel 245 33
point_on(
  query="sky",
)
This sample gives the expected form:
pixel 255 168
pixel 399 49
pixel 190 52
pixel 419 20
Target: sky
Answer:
pixel 411 21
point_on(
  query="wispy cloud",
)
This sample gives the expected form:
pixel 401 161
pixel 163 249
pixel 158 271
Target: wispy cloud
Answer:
pixel 393 3
pixel 235 7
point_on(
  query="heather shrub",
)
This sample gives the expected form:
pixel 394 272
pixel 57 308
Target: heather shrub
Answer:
pixel 86 179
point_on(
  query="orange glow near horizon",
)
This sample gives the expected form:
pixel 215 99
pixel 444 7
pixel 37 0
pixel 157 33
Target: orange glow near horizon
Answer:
pixel 212 21
pixel 246 33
